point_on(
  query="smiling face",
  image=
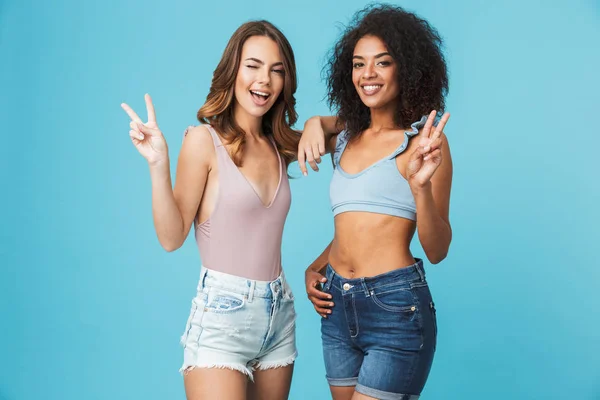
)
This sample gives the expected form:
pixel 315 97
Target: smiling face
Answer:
pixel 260 76
pixel 374 73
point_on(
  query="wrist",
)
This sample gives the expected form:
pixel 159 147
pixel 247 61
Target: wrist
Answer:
pixel 159 164
pixel 419 189
pixel 316 267
pixel 315 120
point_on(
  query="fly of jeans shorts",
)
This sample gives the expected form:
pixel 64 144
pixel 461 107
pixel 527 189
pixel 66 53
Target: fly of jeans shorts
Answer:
pixel 381 334
pixel 240 324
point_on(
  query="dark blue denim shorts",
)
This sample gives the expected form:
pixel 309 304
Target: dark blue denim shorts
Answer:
pixel 381 334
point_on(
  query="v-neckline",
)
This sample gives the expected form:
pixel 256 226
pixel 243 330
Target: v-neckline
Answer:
pixel 369 167
pixel 400 149
pixel 266 206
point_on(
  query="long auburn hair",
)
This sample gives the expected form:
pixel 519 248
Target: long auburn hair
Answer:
pixel 218 108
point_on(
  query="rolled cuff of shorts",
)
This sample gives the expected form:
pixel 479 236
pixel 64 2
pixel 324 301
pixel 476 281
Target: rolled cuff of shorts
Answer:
pixel 343 381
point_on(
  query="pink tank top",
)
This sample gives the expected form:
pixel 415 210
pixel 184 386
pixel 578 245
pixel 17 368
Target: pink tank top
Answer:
pixel 242 236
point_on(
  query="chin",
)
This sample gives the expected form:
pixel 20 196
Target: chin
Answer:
pixel 371 103
pixel 253 110
pixel 260 112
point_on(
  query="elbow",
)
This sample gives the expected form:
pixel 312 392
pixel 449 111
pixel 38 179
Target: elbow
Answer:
pixel 437 251
pixel 436 259
pixel 170 245
pixel 437 256
pixel 170 248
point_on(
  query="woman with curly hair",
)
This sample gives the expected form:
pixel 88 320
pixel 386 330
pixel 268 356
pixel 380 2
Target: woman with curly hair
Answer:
pixel 392 176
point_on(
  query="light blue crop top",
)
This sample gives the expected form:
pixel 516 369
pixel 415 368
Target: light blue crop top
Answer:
pixel 379 188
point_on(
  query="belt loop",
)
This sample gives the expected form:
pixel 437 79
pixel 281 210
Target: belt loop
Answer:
pixel 365 288
pixel 283 290
pixel 202 280
pixel 251 288
pixel 329 275
pixel 420 271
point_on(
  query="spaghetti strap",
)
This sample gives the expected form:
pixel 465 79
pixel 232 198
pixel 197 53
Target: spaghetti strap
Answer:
pixel 215 137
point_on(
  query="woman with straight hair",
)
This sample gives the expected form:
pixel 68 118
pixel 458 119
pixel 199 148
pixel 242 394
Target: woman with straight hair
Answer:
pixel 232 184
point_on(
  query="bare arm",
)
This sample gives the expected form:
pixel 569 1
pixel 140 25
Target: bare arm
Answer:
pixel 429 173
pixel 433 205
pixel 174 210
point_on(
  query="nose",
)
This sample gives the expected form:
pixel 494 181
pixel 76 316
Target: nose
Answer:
pixel 369 71
pixel 264 76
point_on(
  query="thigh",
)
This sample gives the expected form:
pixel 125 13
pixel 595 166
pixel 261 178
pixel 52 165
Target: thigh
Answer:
pixel 399 337
pixel 271 384
pixel 215 383
pixel 360 396
pixel 342 357
pixel 392 373
pixel 342 392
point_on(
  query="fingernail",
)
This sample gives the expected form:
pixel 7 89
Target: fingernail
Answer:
pixel 328 311
pixel 426 158
pixel 141 137
pixel 427 148
pixel 305 173
pixel 331 304
pixel 329 296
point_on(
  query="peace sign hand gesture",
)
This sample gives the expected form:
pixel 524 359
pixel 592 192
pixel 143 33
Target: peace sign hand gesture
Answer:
pixel 426 158
pixel 147 138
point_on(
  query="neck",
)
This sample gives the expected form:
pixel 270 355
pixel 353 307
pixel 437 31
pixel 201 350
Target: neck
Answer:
pixel 250 124
pixel 383 118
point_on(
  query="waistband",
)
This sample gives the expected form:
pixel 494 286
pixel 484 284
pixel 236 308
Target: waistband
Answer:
pixel 414 273
pixel 243 286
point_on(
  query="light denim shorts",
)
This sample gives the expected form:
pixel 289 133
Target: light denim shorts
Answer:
pixel 240 324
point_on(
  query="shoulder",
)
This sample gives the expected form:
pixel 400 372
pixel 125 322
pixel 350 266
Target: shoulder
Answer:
pixel 197 134
pixel 198 143
pixel 445 146
pixel 444 138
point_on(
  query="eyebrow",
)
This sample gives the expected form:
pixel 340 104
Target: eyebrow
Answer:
pixel 256 60
pixel 376 56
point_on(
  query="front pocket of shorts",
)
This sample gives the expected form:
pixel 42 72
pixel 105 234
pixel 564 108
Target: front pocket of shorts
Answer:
pixel 395 301
pixel 223 302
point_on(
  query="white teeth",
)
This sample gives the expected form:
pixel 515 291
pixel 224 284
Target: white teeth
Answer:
pixel 371 87
pixel 259 93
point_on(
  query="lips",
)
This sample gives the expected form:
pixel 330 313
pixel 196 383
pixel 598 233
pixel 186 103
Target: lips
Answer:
pixel 259 97
pixel 371 89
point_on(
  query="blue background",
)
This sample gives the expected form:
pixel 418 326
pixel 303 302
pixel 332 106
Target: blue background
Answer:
pixel 91 307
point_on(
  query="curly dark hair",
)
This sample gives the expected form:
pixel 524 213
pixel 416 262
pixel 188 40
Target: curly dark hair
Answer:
pixel 416 48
